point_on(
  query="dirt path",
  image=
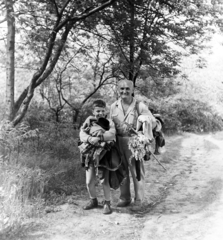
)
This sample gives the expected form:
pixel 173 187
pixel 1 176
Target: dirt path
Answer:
pixel 185 202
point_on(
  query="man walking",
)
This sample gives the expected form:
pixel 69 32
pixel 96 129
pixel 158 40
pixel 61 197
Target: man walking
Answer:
pixel 124 113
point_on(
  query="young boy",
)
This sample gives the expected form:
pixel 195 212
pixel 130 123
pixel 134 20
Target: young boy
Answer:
pixel 96 138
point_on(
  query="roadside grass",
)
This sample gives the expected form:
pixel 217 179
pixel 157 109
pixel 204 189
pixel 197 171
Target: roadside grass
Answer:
pixel 20 193
pixel 38 168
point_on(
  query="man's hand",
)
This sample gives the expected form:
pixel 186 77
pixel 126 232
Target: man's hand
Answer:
pixel 93 140
pixel 127 127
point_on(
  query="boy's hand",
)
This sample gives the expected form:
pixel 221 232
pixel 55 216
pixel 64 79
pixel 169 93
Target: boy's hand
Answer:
pixel 93 140
pixel 88 121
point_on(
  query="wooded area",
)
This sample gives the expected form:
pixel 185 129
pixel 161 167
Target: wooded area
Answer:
pixel 75 49
pixel 58 56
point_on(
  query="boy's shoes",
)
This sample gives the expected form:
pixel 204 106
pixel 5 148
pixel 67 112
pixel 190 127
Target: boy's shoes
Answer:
pixel 107 207
pixel 123 203
pixel 93 203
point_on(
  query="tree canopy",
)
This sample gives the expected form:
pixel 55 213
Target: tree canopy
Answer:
pixel 150 37
pixel 137 40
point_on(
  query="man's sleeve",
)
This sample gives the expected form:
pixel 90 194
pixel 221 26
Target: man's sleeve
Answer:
pixel 110 134
pixel 110 113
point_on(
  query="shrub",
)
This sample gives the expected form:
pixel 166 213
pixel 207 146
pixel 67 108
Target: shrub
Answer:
pixel 188 115
pixel 34 164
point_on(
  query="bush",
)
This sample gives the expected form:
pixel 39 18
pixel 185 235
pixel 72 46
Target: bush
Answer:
pixel 36 164
pixel 54 140
pixel 188 115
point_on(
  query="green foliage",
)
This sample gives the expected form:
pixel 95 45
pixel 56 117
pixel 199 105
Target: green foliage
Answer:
pixel 36 165
pixel 52 148
pixel 157 87
pixel 188 115
pixel 130 38
pixel 56 140
pixel 154 35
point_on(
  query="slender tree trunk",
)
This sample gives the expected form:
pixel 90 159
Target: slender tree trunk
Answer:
pixel 10 60
pixel 75 116
pixel 57 115
pixel 132 41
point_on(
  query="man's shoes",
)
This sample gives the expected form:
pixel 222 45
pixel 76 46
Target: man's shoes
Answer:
pixel 122 203
pixel 93 203
pixel 107 207
pixel 137 206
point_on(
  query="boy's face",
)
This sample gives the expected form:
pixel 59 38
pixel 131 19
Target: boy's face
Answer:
pixel 99 112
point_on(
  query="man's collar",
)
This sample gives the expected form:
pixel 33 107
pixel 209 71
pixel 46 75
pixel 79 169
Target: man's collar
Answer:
pixel 119 102
pixel 130 108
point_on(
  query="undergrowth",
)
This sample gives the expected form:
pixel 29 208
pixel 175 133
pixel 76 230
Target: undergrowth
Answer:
pixel 38 167
pixel 188 115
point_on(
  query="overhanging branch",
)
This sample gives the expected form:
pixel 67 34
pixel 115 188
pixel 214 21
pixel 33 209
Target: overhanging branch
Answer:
pixel 85 15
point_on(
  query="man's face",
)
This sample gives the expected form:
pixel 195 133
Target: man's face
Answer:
pixel 125 90
pixel 99 112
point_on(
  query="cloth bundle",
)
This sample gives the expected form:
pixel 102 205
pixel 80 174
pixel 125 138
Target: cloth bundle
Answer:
pixel 145 123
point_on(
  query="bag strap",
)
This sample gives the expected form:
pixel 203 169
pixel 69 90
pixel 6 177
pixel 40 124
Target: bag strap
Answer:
pixel 137 107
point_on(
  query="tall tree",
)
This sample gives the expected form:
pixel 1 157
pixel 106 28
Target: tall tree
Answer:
pixel 52 22
pixel 10 59
pixel 150 36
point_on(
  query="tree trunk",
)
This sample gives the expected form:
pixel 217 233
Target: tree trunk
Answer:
pixel 75 116
pixel 57 113
pixel 132 42
pixel 10 60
